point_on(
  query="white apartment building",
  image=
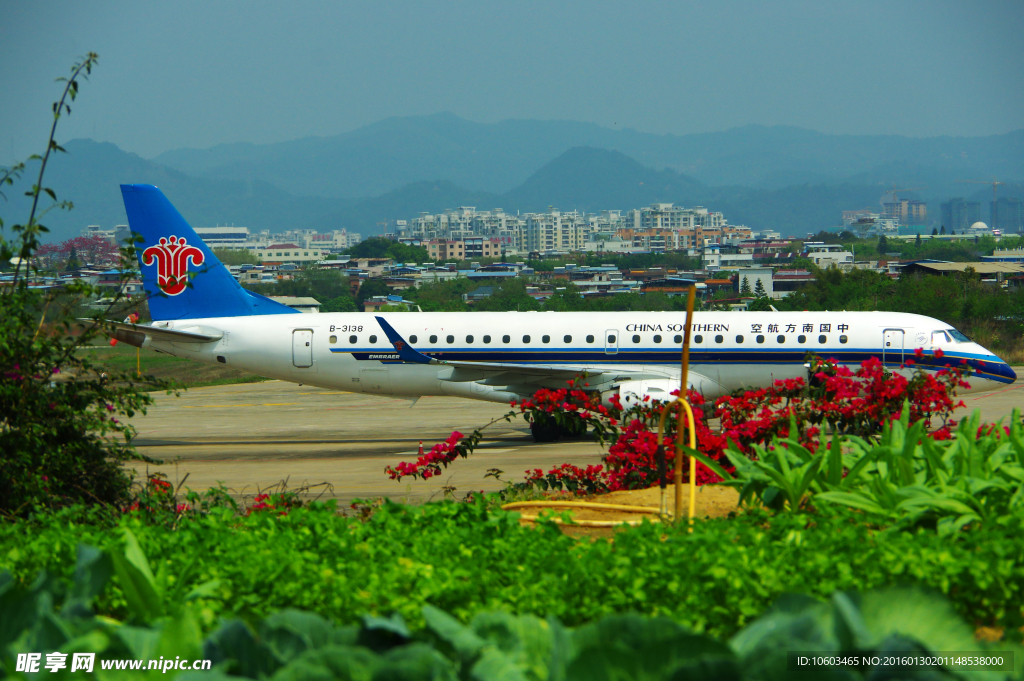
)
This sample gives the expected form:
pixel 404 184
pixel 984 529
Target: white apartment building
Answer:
pixel 466 221
pixel 555 231
pixel 224 236
pixel 826 255
pixel 669 216
pixel 118 235
pixel 332 242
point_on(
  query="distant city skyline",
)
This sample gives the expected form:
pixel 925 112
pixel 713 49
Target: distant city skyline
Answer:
pixel 196 74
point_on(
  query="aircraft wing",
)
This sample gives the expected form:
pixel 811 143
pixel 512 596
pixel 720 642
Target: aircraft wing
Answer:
pixel 136 334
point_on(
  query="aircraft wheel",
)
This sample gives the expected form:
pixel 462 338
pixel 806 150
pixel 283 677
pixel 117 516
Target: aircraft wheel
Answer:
pixel 545 431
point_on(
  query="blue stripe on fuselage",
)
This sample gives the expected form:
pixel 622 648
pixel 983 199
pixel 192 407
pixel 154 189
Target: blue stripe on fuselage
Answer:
pixel 982 366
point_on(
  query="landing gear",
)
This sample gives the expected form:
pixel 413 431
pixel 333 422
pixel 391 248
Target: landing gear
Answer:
pixel 546 429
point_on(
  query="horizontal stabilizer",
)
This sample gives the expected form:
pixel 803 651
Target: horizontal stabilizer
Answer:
pixel 136 334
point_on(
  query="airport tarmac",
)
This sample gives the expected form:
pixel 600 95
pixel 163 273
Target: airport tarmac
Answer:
pixel 253 436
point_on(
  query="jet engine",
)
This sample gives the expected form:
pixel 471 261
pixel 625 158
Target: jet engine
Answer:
pixel 659 389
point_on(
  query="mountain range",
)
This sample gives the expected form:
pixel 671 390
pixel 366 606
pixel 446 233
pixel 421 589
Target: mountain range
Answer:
pixel 784 178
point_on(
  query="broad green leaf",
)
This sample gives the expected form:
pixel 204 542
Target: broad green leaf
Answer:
pixel 416 662
pixel 144 603
pixel 341 663
pixel 921 615
pixel 463 640
pixel 634 647
pixel 853 500
pixel 526 640
pixel 92 572
pixel 715 467
pixel 288 633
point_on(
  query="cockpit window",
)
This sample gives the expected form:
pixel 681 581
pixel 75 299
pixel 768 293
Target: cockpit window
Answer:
pixel 939 338
pixel 957 336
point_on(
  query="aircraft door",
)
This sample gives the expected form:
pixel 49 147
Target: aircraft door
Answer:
pixel 611 342
pixel 892 346
pixel 302 348
pixel 375 381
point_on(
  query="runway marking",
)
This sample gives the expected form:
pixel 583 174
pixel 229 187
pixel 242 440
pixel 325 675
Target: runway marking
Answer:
pixel 999 392
pixel 232 406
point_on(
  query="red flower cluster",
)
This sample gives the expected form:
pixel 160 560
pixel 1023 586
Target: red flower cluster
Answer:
pixel 269 502
pixel 589 480
pixel 430 464
pixel 632 459
pixel 854 402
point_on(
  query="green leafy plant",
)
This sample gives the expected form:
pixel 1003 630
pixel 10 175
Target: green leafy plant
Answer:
pixel 456 557
pixel 975 477
pixel 865 629
pixel 62 432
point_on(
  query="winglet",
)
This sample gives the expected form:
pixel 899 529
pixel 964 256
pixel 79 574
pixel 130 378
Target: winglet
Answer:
pixel 405 351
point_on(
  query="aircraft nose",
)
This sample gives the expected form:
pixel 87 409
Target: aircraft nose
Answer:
pixel 1007 372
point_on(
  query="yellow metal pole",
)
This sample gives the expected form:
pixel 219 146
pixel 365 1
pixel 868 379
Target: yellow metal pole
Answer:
pixel 679 461
pixel 138 362
pixel 684 371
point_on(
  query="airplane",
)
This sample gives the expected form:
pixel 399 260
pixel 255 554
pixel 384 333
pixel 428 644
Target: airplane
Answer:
pixel 201 312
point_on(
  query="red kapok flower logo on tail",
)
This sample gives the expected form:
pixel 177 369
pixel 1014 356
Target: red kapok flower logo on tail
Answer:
pixel 172 257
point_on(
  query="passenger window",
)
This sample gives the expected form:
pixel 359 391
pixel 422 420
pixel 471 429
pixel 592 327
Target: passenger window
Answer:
pixel 526 339
pixel 719 339
pixel 739 339
pixel 412 339
pixel 611 339
pixel 590 339
pixel 760 339
pixel 506 339
pixel 433 339
pixel 781 339
pixel 334 339
pixel 567 339
pixel 636 338
pixel 843 339
pixel 545 339
pixel 352 340
pixel 487 339
pixel 801 339
pixel 696 339
pixel 469 339
pixel 373 339
pixel 822 339
pixel 657 339
pixel 450 339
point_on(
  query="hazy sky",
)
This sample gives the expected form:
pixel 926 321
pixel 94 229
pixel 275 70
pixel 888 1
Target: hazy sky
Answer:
pixel 199 73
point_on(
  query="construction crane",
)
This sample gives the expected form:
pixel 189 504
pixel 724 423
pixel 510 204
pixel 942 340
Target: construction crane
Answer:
pixel 896 211
pixel 995 183
pixel 895 189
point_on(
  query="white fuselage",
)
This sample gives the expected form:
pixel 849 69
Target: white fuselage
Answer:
pixel 729 350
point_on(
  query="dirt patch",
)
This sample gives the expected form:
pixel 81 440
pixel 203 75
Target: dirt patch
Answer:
pixel 712 501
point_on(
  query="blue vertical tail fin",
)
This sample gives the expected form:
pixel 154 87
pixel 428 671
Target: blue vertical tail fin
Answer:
pixel 182 277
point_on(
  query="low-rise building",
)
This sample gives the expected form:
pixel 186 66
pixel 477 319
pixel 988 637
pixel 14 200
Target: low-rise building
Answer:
pixel 288 253
pixel 300 303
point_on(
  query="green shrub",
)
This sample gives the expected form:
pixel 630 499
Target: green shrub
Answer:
pixel 292 644
pixel 63 432
pixel 465 559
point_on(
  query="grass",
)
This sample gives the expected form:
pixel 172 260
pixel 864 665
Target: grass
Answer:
pixel 184 373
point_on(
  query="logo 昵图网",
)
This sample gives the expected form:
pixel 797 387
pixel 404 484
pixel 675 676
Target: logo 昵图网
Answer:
pixel 172 257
